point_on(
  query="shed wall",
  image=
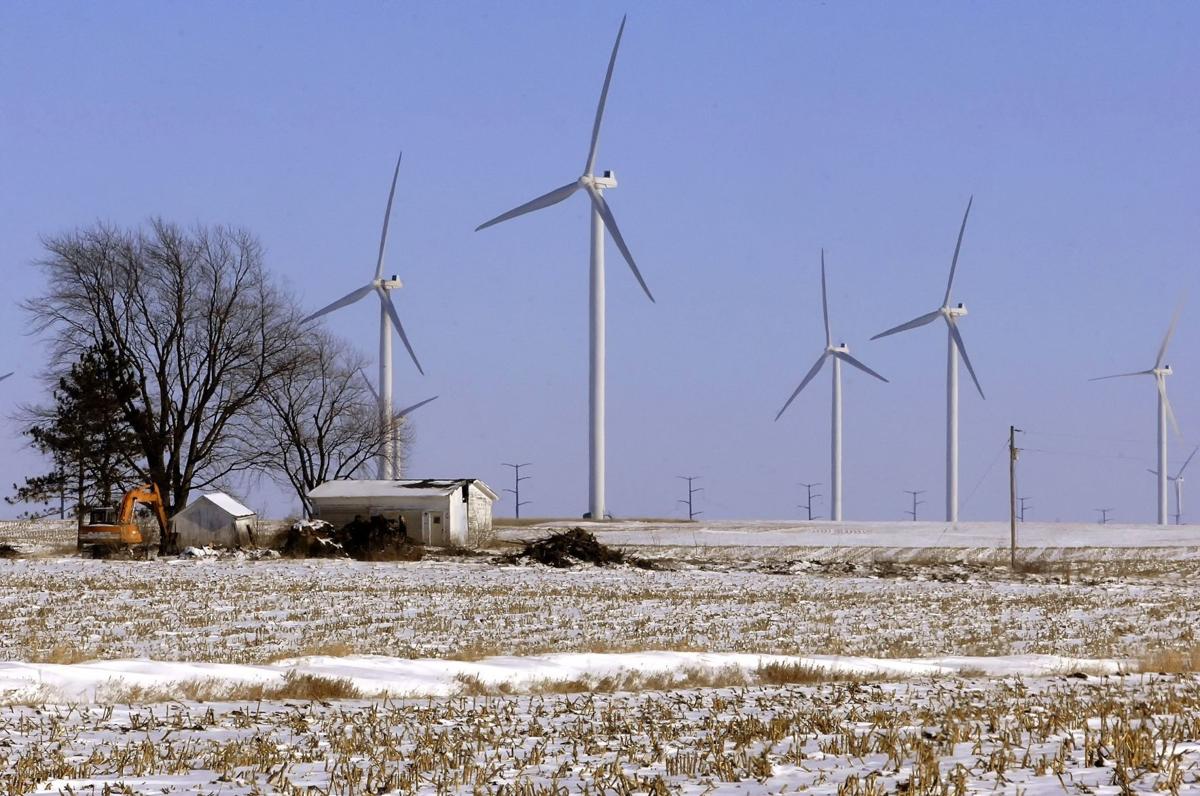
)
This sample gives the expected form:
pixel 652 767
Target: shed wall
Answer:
pixel 204 523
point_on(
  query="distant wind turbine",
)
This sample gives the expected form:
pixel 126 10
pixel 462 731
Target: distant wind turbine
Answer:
pixel 954 347
pixel 838 353
pixel 388 459
pixel 1160 371
pixel 602 218
pixel 1177 479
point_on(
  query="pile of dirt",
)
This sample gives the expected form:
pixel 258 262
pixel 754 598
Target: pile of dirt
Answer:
pixel 8 551
pixel 575 546
pixel 376 539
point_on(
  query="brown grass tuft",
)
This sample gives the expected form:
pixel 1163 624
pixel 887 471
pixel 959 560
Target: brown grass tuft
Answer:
pixel 1171 661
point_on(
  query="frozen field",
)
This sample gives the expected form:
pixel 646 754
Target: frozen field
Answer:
pixel 967 677
pixel 976 542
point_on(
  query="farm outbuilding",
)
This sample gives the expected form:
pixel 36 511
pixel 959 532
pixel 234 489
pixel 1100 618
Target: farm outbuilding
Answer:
pixel 215 520
pixel 442 512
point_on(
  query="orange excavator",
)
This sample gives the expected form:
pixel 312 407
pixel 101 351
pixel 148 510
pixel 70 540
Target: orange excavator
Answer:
pixel 108 530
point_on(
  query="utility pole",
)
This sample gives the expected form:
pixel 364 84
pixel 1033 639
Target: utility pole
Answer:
pixel 914 493
pixel 517 479
pixel 1012 497
pixel 809 505
pixel 1103 515
pixel 692 513
pixel 1021 510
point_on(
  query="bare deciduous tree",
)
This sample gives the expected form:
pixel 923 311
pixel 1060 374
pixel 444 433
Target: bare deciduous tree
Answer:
pixel 319 421
pixel 199 323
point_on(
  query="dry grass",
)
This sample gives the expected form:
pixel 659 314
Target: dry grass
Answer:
pixel 801 673
pixel 306 687
pixel 64 653
pixel 331 649
pixel 618 682
pixel 1171 661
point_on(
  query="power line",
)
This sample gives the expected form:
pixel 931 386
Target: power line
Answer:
pixel 809 505
pixel 692 513
pixel 516 490
pixel 915 502
pixel 1103 515
pixel 1021 513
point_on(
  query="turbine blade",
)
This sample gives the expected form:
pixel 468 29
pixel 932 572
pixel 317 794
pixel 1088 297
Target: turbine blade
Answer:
pixel 1154 472
pixel 6 375
pixel 349 298
pixel 807 378
pixel 1123 375
pixel 409 409
pixel 957 247
pixel 962 349
pixel 387 216
pixel 1187 462
pixel 612 61
pixel 395 316
pixel 825 303
pixel 370 386
pixel 545 200
pixel 1162 391
pixel 928 317
pixel 611 223
pixel 1162 349
pixel 849 360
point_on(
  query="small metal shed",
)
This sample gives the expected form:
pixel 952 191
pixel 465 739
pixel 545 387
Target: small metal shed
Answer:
pixel 215 520
pixel 442 512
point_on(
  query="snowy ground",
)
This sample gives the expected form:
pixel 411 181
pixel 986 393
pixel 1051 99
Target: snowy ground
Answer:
pixel 975 542
pixel 964 665
pixel 1052 735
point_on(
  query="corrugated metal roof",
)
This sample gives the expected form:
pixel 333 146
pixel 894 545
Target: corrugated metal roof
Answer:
pixel 227 504
pixel 422 487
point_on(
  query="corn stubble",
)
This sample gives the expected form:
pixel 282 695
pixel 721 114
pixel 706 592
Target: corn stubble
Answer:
pixel 941 737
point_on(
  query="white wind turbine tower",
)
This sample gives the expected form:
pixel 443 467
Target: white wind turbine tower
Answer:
pixel 388 459
pixel 1177 479
pixel 954 347
pixel 1160 372
pixel 602 218
pixel 838 353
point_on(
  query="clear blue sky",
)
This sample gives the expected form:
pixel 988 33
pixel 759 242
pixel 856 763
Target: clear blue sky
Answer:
pixel 746 136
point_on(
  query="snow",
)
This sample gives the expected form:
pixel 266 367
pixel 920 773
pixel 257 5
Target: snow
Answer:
pixel 1182 541
pixel 379 675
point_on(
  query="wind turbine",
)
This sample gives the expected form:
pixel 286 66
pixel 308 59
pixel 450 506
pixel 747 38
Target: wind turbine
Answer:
pixel 1160 372
pixel 838 353
pixel 602 218
pixel 388 460
pixel 1177 479
pixel 395 418
pixel 954 347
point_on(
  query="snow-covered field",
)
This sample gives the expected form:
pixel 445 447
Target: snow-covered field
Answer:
pixel 975 542
pixel 539 679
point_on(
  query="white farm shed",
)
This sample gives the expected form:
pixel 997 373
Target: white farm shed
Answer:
pixel 442 512
pixel 216 520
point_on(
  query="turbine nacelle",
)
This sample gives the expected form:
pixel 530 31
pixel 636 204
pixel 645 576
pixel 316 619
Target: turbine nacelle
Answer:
pixel 388 284
pixel 1165 370
pixel 605 181
pixel 957 311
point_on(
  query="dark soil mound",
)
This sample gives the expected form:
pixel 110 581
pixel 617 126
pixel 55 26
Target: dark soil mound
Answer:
pixel 575 546
pixel 376 539
pixel 8 551
pixel 312 540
